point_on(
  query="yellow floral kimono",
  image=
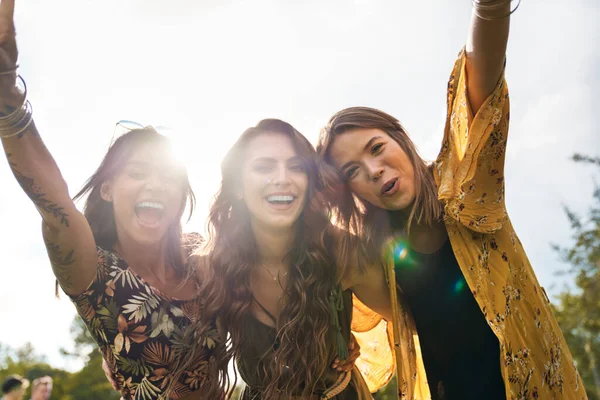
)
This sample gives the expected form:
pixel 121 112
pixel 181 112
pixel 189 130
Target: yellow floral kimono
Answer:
pixel 469 171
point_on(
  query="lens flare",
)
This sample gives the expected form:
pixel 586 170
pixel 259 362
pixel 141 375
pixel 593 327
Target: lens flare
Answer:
pixel 459 285
pixel 402 254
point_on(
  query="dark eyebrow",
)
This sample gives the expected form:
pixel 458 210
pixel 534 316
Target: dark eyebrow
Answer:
pixel 369 144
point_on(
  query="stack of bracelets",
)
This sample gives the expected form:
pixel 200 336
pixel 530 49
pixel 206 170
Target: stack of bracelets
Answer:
pixel 17 121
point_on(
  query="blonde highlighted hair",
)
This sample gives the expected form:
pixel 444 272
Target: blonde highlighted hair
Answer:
pixel 357 216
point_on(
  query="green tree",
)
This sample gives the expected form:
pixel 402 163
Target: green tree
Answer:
pixel 578 309
pixel 388 392
pixel 89 382
pixel 26 362
pixel 83 343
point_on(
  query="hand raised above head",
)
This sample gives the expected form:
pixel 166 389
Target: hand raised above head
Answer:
pixel 8 48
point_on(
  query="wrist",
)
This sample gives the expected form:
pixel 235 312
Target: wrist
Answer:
pixel 12 94
pixel 11 99
pixel 15 111
pixel 494 9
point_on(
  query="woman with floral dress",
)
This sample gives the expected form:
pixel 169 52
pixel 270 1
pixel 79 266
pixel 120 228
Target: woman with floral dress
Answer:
pixel 463 287
pixel 121 261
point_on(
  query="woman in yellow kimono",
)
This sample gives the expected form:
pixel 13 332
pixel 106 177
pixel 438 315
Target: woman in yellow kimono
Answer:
pixel 455 267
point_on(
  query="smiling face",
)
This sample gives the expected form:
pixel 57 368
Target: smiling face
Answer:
pixel 274 181
pixel 147 195
pixel 375 167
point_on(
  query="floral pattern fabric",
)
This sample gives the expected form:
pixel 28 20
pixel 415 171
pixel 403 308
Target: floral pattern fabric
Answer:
pixel 469 171
pixel 140 332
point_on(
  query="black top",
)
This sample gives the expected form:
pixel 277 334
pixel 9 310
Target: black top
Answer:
pixel 460 352
pixel 140 332
pixel 260 342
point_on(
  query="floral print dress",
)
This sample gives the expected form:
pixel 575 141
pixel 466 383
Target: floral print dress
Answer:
pixel 140 332
pixel 469 172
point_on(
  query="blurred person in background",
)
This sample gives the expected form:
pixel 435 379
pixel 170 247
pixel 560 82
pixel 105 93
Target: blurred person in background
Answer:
pixel 14 387
pixel 41 388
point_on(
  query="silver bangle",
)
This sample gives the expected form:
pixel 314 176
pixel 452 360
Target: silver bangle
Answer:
pixel 19 120
pixel 7 118
pixel 10 71
pixel 480 5
pixel 24 123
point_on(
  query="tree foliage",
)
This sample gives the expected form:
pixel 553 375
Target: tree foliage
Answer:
pixel 87 383
pixel 578 308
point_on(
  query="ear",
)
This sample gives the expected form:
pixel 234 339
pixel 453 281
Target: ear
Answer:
pixel 106 192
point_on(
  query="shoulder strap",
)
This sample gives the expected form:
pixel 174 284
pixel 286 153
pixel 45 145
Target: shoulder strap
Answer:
pixel 266 311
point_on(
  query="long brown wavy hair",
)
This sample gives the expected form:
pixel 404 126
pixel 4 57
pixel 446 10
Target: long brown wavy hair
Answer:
pixel 299 362
pixel 357 217
pixel 100 215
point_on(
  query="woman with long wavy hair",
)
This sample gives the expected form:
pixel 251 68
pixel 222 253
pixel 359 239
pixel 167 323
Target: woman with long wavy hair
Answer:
pixel 269 275
pixel 273 279
pixel 121 261
pixel 484 323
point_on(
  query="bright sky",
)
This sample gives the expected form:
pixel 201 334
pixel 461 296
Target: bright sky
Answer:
pixel 212 68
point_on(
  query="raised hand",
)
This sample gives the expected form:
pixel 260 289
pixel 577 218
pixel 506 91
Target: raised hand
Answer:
pixel 8 54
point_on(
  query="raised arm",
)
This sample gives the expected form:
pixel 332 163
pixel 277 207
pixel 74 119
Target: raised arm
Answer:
pixel 67 235
pixel 486 48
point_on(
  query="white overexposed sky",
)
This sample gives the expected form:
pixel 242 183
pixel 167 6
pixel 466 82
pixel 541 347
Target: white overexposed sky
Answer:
pixel 211 68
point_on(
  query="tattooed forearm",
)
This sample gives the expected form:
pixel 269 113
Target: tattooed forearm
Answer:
pixel 10 163
pixel 39 198
pixel 61 263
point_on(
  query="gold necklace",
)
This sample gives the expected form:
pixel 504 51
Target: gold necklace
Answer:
pixel 275 277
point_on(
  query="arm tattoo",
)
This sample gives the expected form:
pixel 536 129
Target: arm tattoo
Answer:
pixel 61 263
pixel 39 198
pixel 11 164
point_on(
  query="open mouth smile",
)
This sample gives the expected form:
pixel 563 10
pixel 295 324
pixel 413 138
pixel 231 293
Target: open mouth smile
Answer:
pixel 150 213
pixel 280 202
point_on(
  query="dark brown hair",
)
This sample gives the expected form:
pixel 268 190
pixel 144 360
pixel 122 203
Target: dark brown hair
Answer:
pixel 359 217
pixel 298 364
pixel 100 214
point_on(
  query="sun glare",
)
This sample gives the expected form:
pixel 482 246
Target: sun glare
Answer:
pixel 200 149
